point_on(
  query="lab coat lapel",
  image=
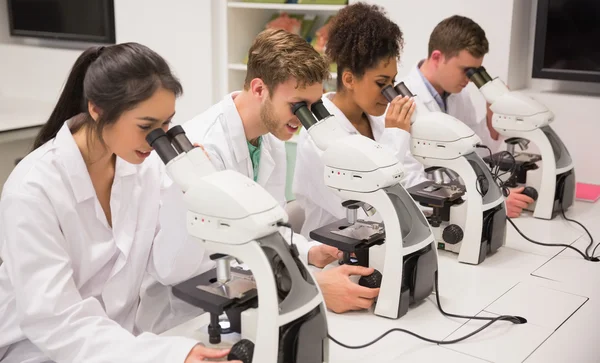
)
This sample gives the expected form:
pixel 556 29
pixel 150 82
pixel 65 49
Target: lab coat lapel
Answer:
pixel 339 115
pixel 237 137
pixel 73 162
pixel 124 215
pixel 416 84
pixel 377 122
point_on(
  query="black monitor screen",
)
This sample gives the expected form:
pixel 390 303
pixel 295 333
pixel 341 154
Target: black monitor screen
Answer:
pixel 567 42
pixel 85 20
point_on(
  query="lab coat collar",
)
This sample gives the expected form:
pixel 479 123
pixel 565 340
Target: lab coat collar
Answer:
pixel 74 164
pixel 377 122
pixel 236 128
pixel 417 86
pixel 267 164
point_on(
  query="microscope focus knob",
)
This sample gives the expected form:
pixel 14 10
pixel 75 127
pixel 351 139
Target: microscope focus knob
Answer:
pixel 530 192
pixel 242 351
pixel 452 234
pixel 371 281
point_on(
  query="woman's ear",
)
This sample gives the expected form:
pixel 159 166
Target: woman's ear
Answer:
pixel 348 79
pixel 93 110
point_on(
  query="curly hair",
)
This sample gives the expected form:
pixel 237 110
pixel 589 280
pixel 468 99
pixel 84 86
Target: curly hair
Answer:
pixel 360 36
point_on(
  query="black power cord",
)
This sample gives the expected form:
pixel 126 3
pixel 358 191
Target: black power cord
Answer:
pixel 584 255
pixel 589 257
pixel 512 319
pixel 495 168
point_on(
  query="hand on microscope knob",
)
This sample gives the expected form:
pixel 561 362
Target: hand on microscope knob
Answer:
pixel 200 353
pixel 399 112
pixel 516 202
pixel 342 294
pixel 322 255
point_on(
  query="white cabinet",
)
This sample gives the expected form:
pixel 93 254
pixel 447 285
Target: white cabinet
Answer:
pixel 236 25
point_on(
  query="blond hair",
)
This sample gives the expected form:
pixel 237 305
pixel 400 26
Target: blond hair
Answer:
pixel 277 55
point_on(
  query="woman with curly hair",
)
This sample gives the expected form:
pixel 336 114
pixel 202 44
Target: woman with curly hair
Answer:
pixel 366 46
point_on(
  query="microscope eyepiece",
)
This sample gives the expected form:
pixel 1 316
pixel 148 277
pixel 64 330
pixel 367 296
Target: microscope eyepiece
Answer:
pixel 319 110
pixel 485 74
pixel 180 142
pixel 477 77
pixel 390 92
pixel 160 142
pixel 306 117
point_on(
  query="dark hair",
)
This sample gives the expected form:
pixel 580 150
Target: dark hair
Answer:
pixel 360 36
pixel 115 79
pixel 458 33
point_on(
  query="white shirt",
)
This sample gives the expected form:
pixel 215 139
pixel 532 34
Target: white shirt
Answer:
pixel 69 284
pixel 221 132
pixel 321 205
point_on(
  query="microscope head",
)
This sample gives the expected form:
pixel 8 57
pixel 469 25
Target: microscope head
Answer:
pixel 325 130
pixel 222 206
pixel 434 134
pixel 352 162
pixel 513 111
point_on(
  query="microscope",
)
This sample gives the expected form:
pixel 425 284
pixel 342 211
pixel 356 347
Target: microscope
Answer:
pixel 401 248
pixel 521 119
pixel 277 306
pixel 473 226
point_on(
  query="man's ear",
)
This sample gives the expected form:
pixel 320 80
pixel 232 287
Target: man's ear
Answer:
pixel 94 110
pixel 436 57
pixel 258 88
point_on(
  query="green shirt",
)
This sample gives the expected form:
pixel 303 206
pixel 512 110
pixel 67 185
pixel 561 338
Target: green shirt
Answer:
pixel 255 157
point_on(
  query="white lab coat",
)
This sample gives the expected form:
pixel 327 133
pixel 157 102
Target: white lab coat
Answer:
pixel 70 284
pixel 321 205
pixel 221 132
pixel 458 105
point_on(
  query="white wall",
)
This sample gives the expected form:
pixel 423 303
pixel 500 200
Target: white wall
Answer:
pixel 181 34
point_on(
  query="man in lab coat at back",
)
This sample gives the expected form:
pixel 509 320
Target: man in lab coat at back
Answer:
pixel 456 44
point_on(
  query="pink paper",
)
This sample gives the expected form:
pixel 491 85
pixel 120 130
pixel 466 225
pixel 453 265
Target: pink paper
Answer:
pixel 587 192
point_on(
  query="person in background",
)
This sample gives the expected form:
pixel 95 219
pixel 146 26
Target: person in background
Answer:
pixel 246 131
pixel 365 44
pixel 456 44
pixel 79 220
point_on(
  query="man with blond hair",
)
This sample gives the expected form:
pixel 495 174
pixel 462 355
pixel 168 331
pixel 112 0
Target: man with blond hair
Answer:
pixel 246 131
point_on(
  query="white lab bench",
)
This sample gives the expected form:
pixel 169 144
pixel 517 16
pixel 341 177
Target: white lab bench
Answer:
pixel 555 289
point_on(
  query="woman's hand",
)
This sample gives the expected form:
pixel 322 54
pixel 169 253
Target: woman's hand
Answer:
pixel 399 113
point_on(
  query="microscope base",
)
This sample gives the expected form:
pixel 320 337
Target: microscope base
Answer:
pixel 528 173
pixel 418 270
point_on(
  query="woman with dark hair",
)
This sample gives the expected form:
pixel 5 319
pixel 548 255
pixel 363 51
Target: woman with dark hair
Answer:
pixel 79 220
pixel 366 47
